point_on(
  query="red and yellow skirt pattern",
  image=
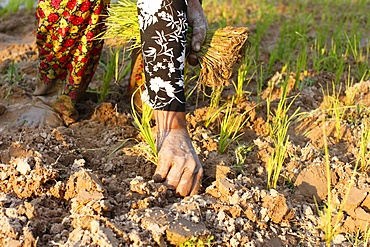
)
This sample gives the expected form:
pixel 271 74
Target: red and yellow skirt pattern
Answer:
pixel 66 39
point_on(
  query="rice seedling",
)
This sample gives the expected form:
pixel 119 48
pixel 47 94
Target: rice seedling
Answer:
pixel 260 80
pixel 216 96
pixel 108 74
pixel 301 63
pixel 338 117
pixel 122 69
pixel 242 79
pixel 331 216
pixel 198 242
pixel 353 44
pixel 12 76
pixel 14 5
pixel 142 123
pixel 114 70
pixel 367 236
pixel 214 109
pixel 212 114
pixel 120 146
pixel 122 24
pixel 350 91
pixel 326 215
pixel 340 70
pixel 278 130
pixel 222 49
pixel 240 155
pixel 231 125
pixel 364 153
pixel 274 56
pixel 319 56
pixel 359 238
pixel 335 109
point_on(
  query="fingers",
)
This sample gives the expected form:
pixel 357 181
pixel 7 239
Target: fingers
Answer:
pixel 192 59
pixel 161 171
pixel 184 177
pixel 198 21
pixel 199 37
pixel 175 175
pixel 178 164
pixel 190 182
pixel 197 182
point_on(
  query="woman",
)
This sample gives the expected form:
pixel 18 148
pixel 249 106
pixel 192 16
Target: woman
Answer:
pixel 69 55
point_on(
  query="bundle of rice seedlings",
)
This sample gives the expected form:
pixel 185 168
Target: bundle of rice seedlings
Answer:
pixel 222 49
pixel 122 25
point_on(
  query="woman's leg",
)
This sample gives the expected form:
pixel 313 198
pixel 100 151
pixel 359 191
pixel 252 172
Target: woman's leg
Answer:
pixel 68 50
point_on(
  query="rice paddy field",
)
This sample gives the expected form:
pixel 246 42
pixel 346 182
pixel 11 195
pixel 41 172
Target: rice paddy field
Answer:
pixel 284 141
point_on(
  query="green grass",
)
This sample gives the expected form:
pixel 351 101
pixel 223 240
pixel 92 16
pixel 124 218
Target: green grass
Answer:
pixel 327 38
pixel 12 76
pixel 14 5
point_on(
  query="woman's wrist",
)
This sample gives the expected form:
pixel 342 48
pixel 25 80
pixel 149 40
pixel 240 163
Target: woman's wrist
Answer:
pixel 169 120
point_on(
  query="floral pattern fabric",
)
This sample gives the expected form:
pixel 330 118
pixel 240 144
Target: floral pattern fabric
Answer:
pixel 68 50
pixel 163 28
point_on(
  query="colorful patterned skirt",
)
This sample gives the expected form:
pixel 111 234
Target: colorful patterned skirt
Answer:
pixel 66 38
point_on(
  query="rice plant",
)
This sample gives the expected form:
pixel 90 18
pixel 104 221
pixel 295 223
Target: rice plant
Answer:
pixel 108 74
pixel 198 242
pixel 231 125
pixel 14 5
pixel 214 109
pixel 326 215
pixel 367 236
pixel 331 216
pixel 278 130
pixel 350 91
pixel 212 114
pixel 142 123
pixel 240 155
pixel 122 24
pixel 335 109
pixel 12 76
pixel 242 79
pixel 364 153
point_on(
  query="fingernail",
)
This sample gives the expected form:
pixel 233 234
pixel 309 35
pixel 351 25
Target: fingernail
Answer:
pixel 169 186
pixel 157 178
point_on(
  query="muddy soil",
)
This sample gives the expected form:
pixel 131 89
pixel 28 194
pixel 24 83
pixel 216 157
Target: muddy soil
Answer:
pixel 87 184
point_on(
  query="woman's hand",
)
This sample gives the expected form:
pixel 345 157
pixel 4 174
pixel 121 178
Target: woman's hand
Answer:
pixel 178 164
pixel 198 21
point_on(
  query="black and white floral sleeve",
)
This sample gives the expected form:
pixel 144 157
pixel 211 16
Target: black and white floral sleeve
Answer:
pixel 163 29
